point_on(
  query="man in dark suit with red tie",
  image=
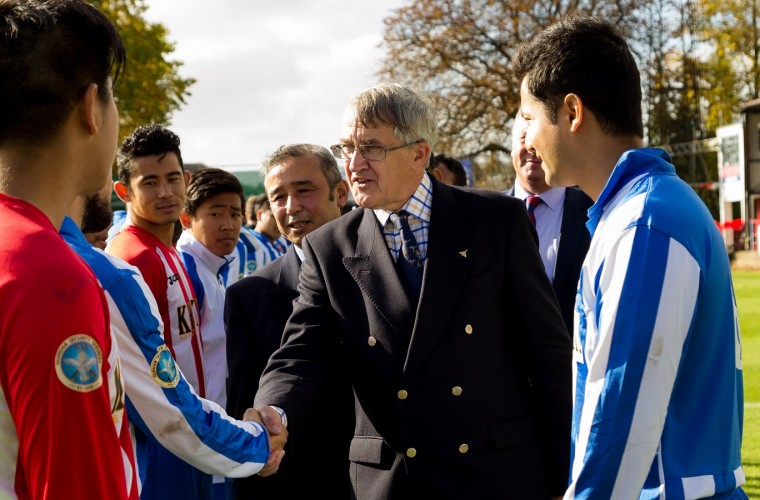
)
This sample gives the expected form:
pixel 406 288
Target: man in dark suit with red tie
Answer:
pixel 560 216
pixel 462 392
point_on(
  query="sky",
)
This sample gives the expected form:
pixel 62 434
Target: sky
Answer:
pixel 268 72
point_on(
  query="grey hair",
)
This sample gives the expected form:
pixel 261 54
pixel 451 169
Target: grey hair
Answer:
pixel 326 161
pixel 410 112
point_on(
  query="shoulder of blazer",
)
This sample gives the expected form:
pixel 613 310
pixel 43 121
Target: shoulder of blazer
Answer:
pixel 577 198
pixel 481 199
pixel 338 230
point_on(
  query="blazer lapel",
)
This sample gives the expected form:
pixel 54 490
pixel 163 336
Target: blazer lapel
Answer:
pixel 573 225
pixel 374 271
pixel 289 272
pixel 449 255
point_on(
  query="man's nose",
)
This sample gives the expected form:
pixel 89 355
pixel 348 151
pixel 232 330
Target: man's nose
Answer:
pixel 357 162
pixel 293 205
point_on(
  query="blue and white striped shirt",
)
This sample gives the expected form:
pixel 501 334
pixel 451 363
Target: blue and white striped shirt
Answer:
pixel 418 207
pixel 657 355
pixel 161 403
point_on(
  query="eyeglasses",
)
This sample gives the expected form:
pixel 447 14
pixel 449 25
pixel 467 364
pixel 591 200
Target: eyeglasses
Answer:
pixel 369 152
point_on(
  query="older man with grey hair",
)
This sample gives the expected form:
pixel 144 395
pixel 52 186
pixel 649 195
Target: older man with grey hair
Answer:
pixel 445 324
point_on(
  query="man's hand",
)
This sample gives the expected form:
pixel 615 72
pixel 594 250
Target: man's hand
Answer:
pixel 278 435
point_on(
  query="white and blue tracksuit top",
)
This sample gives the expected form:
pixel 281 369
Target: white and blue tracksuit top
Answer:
pixel 160 402
pixel 657 356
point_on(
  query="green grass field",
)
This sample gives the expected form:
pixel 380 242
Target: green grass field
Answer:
pixel 747 286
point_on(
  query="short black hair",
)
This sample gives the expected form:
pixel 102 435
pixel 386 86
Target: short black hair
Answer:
pixel 146 140
pixel 207 182
pixel 261 202
pixel 50 52
pixel 455 167
pixel 588 57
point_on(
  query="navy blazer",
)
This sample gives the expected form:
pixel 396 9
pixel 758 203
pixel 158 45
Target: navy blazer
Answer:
pixel 467 395
pixel 573 245
pixel 255 312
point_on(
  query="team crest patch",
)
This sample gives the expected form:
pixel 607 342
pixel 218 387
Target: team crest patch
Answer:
pixel 251 266
pixel 163 369
pixel 78 363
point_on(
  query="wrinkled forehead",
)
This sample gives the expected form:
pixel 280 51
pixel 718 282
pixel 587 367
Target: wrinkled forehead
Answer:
pixel 354 128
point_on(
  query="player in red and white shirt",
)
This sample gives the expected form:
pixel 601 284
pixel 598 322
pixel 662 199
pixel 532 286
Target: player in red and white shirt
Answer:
pixel 163 271
pixel 152 182
pixel 63 428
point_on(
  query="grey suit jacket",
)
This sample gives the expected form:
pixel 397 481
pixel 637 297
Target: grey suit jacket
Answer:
pixel 467 395
pixel 573 245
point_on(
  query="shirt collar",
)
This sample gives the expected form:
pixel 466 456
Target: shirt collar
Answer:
pixel 418 205
pixel 188 243
pixel 69 228
pixel 299 252
pixel 553 197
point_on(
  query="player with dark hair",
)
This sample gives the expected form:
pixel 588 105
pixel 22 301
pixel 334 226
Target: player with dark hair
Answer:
pixel 152 182
pixel 63 427
pixel 657 358
pixel 212 218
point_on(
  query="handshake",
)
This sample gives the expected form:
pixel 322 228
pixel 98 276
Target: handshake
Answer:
pixel 278 435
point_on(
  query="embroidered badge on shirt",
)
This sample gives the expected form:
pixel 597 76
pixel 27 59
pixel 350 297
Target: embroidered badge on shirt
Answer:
pixel 163 369
pixel 78 363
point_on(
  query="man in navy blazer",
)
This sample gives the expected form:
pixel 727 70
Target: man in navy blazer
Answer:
pixel 464 392
pixel 305 190
pixel 560 219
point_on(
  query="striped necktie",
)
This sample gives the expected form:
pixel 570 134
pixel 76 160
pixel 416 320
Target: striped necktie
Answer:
pixel 409 262
pixel 533 201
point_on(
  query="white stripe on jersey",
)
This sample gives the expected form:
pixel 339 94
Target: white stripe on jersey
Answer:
pixel 674 315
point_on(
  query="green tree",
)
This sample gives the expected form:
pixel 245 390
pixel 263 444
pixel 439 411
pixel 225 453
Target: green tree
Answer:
pixel 730 32
pixel 150 89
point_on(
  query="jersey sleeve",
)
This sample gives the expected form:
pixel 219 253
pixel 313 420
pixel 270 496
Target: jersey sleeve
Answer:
pixel 644 297
pixel 54 355
pixel 159 397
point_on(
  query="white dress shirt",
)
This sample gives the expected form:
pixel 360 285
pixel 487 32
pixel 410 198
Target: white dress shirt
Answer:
pixel 548 223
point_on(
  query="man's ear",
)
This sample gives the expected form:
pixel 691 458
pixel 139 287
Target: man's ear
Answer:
pixel 341 193
pixel 184 219
pixel 437 173
pixel 574 106
pixel 88 109
pixel 122 191
pixel 187 176
pixel 422 153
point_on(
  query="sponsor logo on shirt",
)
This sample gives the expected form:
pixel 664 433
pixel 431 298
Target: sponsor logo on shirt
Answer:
pixel 78 363
pixel 163 369
pixel 187 319
pixel 173 279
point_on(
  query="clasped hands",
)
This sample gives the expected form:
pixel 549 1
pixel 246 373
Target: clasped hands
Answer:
pixel 278 435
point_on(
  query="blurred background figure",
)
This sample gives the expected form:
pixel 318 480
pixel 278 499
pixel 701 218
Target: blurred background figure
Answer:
pixel 559 214
pixel 447 170
pixel 250 212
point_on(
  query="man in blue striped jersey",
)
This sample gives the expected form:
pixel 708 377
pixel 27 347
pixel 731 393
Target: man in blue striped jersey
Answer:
pixel 160 401
pixel 657 355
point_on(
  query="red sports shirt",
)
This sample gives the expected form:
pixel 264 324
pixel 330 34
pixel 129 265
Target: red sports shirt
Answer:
pixel 63 428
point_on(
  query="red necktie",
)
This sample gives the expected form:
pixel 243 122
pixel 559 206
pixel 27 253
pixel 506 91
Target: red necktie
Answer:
pixel 533 202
